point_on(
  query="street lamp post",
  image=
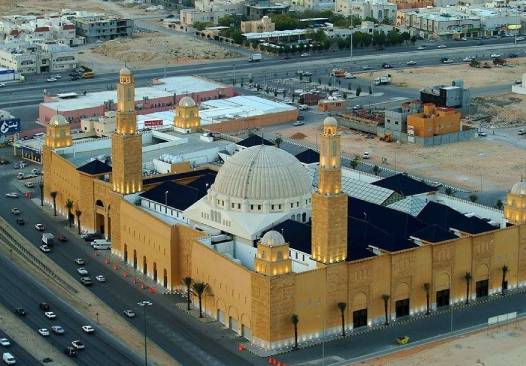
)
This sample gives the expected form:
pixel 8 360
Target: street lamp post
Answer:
pixel 144 304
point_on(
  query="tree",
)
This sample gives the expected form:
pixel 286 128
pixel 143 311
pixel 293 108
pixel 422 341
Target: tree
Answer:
pixel 386 298
pixel 78 213
pixel 358 91
pixel 54 197
pixel 199 289
pixel 342 306
pixel 294 319
pixel 285 21
pixel 354 163
pixel 474 63
pixel 349 86
pixel 499 205
pixel 188 283
pixel 449 191
pixel 277 141
pixel 505 270
pixel 427 288
pixel 413 40
pixel 473 197
pixel 200 26
pixel 467 278
pixel 41 186
pixel 370 90
pixel 376 170
pixel 69 206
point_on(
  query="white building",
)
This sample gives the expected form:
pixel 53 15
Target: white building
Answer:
pixel 33 58
pixel 207 11
pixel 377 9
pixel 319 4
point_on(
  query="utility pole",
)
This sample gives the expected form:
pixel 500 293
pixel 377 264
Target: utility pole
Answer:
pixel 144 304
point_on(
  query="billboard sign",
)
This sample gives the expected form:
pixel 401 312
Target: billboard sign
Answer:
pixel 9 126
pixel 153 123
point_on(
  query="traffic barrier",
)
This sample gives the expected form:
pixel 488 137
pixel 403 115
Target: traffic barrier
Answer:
pixel 152 290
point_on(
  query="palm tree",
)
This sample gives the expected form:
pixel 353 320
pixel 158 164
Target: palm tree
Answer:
pixel 294 319
pixel 277 141
pixel 78 213
pixel 188 283
pixel 427 287
pixel 468 279
pixel 386 298
pixel 473 197
pixel 54 196
pixel 449 191
pixel 342 306
pixel 505 270
pixel 200 288
pixel 499 205
pixel 354 163
pixel 69 206
pixel 41 186
pixel 376 170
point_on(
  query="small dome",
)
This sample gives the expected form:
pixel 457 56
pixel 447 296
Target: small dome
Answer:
pixel 58 120
pixel 186 102
pixel 330 121
pixel 263 173
pixel 519 188
pixel 125 71
pixel 272 239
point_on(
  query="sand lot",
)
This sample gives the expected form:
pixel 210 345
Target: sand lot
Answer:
pixel 500 346
pixel 503 109
pixel 421 77
pixel 153 50
pixel 28 7
pixel 461 164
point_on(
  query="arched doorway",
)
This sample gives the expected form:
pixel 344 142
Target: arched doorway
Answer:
pixel 109 223
pixel 144 266
pixel 155 271
pixel 125 253
pixel 165 278
pixel 99 217
pixel 134 259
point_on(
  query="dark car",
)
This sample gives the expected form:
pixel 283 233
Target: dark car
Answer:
pixel 44 306
pixel 513 55
pixel 387 66
pixel 91 237
pixel 86 281
pixel 20 311
pixel 62 238
pixel 20 221
pixel 70 352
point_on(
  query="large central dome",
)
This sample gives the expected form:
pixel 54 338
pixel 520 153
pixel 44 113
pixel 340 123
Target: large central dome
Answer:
pixel 262 173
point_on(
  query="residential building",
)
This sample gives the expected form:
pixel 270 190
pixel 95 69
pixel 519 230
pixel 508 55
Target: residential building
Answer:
pixel 377 9
pixel 332 105
pixel 100 27
pixel 258 26
pixel 433 121
pixel 257 9
pixel 32 58
pixel 319 4
pixel 395 120
pixel 453 96
pixel 207 11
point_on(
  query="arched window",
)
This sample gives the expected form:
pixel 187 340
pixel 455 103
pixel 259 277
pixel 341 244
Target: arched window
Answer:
pixel 99 203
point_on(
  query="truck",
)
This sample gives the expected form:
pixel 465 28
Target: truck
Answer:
pixel 47 238
pixel 88 75
pixel 255 57
pixel 382 80
pixel 339 73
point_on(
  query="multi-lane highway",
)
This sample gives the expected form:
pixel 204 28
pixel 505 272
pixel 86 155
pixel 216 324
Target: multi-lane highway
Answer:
pixel 21 355
pixel 187 342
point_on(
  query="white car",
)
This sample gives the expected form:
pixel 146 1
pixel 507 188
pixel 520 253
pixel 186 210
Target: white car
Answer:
pixel 11 195
pixel 29 184
pixel 57 76
pixel 82 271
pixel 100 278
pixel 348 75
pixel 50 315
pixel 366 67
pixel 129 313
pixel 44 332
pixel 304 54
pixel 410 63
pixel 80 261
pixel 57 329
pixel 8 358
pixel 467 59
pixel 441 46
pixel 15 211
pixel 5 342
pixel 518 39
pixel 366 155
pixel 2 85
pixel 78 344
pixel 40 227
pixel 495 55
pixel 51 80
pixel 420 48
pixel 45 248
pixel 88 329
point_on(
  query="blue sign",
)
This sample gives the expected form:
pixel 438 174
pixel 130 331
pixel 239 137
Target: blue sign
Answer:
pixel 8 126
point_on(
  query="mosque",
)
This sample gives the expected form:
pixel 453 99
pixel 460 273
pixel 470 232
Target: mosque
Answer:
pixel 274 237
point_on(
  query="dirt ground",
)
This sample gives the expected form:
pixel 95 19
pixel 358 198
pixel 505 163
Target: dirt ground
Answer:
pixel 33 7
pixel 152 50
pixel 503 345
pixel 460 164
pixel 421 77
pixel 502 110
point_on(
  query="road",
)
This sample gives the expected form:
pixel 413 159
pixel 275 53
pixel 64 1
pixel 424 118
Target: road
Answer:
pixel 187 342
pixel 22 356
pixel 24 291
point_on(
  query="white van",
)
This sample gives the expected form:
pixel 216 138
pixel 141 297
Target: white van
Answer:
pixel 8 358
pixel 98 242
pixel 102 246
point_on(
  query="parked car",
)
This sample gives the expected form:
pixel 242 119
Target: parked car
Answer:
pixel 298 123
pixel 88 329
pixel 15 211
pixel 420 48
pixel 513 55
pixel 305 54
pixel 366 67
pixel 410 63
pixel 44 332
pixel 51 80
pixel 5 342
pixel 366 155
pixel 387 66
pixel 129 313
pixel 495 55
pixel 467 59
pixel 57 329
pixel 40 227
pixel 11 195
pixel 446 60
pixel 441 46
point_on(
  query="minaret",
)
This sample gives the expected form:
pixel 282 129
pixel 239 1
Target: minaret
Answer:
pixel 187 116
pixel 126 143
pixel 329 203
pixel 272 256
pixel 58 132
